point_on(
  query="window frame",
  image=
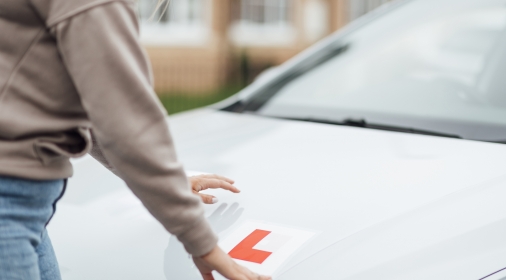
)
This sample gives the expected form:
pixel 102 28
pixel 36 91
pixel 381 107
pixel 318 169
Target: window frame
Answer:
pixel 269 30
pixel 175 29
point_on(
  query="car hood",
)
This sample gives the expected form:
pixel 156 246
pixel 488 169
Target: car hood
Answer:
pixel 386 205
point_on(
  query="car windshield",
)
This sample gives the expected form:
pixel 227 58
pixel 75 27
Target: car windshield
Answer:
pixel 438 65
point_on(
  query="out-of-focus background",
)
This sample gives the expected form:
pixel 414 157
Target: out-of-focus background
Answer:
pixel 203 51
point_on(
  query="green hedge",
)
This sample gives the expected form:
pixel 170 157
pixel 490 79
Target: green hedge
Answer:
pixel 176 102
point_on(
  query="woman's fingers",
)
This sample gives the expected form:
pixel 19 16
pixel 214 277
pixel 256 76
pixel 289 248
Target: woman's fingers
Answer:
pixel 240 272
pixel 253 276
pixel 219 177
pixel 205 184
pixel 223 264
pixel 220 184
pixel 208 199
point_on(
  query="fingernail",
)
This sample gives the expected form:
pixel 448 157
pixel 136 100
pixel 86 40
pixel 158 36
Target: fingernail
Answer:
pixel 214 200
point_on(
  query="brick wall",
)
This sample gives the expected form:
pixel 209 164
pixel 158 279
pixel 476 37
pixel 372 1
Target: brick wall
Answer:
pixel 188 70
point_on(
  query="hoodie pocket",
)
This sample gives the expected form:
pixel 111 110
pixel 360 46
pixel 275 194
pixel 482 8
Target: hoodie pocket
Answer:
pixel 69 144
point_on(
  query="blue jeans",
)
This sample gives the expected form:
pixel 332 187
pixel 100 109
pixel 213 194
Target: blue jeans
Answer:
pixel 26 206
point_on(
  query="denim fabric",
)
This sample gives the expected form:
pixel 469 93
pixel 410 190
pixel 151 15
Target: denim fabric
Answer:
pixel 26 206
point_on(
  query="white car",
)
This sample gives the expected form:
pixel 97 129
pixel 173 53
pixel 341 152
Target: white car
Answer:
pixel 376 154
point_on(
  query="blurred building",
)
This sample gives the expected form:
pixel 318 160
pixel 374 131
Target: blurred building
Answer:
pixel 197 46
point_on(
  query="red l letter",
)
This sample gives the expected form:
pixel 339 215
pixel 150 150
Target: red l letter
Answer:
pixel 244 250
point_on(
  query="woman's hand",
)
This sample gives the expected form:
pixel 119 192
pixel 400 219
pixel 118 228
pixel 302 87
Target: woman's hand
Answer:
pixel 217 259
pixel 224 265
pixel 211 181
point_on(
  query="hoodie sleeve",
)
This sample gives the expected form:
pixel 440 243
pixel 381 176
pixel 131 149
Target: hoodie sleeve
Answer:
pixel 100 48
pixel 96 153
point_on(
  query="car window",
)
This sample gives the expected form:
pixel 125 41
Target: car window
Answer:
pixel 441 61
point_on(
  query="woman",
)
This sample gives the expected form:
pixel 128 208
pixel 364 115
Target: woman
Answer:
pixel 68 67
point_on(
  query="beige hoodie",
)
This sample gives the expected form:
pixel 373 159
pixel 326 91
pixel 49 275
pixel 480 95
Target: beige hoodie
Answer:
pixel 67 66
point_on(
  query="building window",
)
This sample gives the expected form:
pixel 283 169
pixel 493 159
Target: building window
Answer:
pixel 362 7
pixel 262 22
pixel 175 22
pixel 267 12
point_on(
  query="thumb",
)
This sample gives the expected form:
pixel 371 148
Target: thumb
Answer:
pixel 207 276
pixel 208 199
pixel 206 272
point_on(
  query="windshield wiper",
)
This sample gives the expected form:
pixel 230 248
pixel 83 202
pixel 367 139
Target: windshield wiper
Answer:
pixel 365 124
